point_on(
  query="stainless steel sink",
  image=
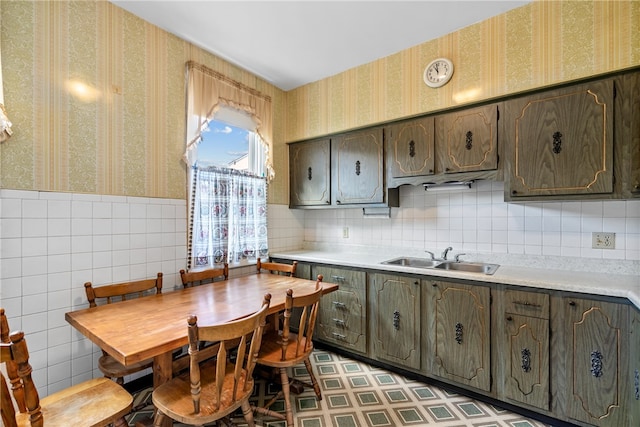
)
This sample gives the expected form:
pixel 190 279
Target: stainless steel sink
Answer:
pixel 413 262
pixel 470 267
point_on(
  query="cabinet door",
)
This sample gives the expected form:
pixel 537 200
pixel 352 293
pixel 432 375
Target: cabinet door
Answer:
pixel 309 166
pixel 459 333
pixel 394 305
pixel 634 368
pixel 522 333
pixel 561 141
pixel 468 140
pixel 595 359
pixel 357 167
pixel 342 318
pixel 410 148
pixel 526 377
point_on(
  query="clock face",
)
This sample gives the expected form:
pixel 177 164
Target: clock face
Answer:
pixel 438 72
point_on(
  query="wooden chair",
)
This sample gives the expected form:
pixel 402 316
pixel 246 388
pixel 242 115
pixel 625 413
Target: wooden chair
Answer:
pixel 284 349
pixel 121 292
pixel 277 268
pixel 194 278
pixel 213 391
pixel 96 402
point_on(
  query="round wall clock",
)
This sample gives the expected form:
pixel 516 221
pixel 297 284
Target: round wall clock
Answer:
pixel 438 72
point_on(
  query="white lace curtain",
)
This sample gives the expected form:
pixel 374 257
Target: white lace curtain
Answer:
pixel 229 217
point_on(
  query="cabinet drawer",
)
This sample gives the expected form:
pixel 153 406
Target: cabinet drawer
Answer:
pixel 532 304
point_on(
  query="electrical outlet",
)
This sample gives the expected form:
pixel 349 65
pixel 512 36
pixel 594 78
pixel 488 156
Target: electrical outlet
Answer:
pixel 603 240
pixel 345 232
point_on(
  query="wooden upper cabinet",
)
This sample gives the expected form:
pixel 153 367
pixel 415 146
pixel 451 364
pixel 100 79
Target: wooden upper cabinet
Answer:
pixel 410 148
pixel 468 140
pixel 310 173
pixel 561 141
pixel 358 168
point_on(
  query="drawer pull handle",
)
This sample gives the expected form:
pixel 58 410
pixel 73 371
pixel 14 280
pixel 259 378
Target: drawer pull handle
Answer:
pixel 557 142
pixel 339 322
pixel 636 382
pixel 468 140
pixel 339 304
pixel 459 333
pixel 339 337
pixel 526 359
pixel 596 363
pixel 412 148
pixel 338 278
pixel 396 320
pixel 527 304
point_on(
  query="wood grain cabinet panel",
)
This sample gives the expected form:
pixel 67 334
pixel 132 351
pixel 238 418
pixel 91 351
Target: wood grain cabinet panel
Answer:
pixel 561 141
pixel 459 333
pixel 342 320
pixel 597 340
pixel 310 173
pixel 357 167
pixel 410 148
pixel 394 307
pixel 522 346
pixel 467 140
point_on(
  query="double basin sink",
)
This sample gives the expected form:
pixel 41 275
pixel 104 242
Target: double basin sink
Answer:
pixel 469 267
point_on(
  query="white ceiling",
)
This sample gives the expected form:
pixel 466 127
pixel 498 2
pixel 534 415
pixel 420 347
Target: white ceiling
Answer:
pixel 292 43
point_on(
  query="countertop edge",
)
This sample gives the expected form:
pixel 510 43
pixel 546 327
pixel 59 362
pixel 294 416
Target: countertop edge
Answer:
pixel 619 285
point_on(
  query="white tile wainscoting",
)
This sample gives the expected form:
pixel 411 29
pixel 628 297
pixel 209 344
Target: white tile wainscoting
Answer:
pixel 52 243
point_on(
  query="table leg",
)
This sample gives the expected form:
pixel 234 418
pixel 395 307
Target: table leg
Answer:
pixel 163 372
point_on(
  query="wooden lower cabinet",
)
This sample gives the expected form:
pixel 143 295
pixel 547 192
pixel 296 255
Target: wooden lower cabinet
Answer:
pixel 521 356
pixel 596 358
pixel 394 313
pixel 342 320
pixel 459 333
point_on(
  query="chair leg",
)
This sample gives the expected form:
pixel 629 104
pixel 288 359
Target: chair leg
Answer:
pixel 157 422
pixel 247 412
pixel 314 382
pixel 287 396
pixel 120 422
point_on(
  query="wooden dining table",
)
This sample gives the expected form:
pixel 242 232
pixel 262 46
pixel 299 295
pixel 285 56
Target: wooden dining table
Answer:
pixel 152 327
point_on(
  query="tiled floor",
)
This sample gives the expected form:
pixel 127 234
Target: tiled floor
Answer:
pixel 358 395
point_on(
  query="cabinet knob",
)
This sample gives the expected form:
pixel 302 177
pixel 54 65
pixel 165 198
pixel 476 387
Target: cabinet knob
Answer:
pixel 572 303
pixel 434 284
pixel 509 318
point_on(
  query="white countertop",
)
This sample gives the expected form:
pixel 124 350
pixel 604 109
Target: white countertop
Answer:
pixel 625 282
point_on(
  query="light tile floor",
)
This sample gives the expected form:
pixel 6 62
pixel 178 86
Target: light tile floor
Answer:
pixel 356 394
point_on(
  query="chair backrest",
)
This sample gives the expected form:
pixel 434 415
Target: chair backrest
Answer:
pixel 15 353
pixel 248 331
pixel 195 278
pixel 122 291
pixel 277 268
pixel 306 323
pixel 10 366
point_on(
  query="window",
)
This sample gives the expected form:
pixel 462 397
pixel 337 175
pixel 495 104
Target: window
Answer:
pixel 229 198
pixel 228 207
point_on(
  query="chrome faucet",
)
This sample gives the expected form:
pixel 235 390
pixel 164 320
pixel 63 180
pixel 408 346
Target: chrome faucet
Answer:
pixel 432 254
pixel 445 252
pixel 457 258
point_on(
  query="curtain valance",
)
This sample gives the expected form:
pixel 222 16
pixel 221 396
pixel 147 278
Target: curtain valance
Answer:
pixel 207 90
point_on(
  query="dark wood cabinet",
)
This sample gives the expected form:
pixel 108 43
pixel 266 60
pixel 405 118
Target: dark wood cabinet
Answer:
pixel 310 173
pixel 357 167
pixel 342 320
pixel 521 327
pixel 467 140
pixel 410 148
pixel 394 313
pixel 459 333
pixel 560 142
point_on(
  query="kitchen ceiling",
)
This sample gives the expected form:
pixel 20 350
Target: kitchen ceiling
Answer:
pixel 292 43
